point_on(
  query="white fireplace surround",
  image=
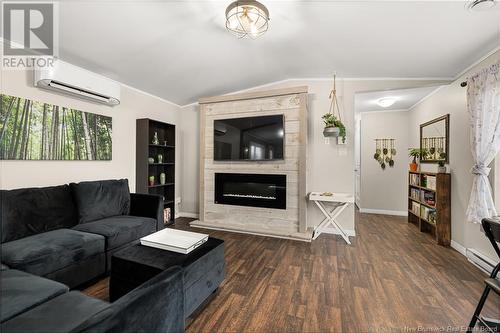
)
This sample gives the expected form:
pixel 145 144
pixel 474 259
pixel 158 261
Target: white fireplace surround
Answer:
pixel 285 223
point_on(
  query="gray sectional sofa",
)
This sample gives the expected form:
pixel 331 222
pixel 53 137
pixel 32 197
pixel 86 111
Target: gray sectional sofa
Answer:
pixel 48 306
pixel 56 238
pixel 68 233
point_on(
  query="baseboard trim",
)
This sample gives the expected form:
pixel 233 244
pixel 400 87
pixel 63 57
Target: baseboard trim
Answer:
pixel 191 215
pixel 332 231
pixel 198 224
pixel 383 212
pixel 458 247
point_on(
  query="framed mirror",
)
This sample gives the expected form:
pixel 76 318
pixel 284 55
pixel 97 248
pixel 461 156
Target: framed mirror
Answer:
pixel 434 137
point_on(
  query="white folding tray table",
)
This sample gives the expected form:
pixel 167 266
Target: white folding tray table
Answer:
pixel 329 224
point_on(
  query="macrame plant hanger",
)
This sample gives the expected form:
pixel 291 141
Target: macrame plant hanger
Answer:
pixel 334 131
pixel 334 102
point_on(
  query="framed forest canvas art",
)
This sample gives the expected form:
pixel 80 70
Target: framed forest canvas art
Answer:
pixel 32 130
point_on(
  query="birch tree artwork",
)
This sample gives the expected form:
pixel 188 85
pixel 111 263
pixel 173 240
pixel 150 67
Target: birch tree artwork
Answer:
pixel 32 130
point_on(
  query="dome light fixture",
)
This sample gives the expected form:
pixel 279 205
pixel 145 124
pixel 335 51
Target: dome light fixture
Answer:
pixel 247 19
pixel 480 5
pixel 386 102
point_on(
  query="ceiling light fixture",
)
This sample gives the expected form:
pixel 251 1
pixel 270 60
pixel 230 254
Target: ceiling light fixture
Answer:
pixel 480 5
pixel 247 19
pixel 386 102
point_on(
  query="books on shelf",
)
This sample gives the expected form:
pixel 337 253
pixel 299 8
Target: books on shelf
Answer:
pixel 415 208
pixel 415 193
pixel 429 204
pixel 414 179
pixel 428 197
pixel 429 182
pixel 175 240
pixel 428 214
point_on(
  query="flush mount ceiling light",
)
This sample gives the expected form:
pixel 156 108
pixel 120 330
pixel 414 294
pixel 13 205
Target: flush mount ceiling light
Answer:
pixel 480 5
pixel 247 19
pixel 386 102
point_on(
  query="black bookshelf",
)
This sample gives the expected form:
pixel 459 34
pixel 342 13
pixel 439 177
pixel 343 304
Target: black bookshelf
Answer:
pixel 145 149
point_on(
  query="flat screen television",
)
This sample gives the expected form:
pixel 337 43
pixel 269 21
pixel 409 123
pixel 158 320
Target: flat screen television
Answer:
pixel 249 139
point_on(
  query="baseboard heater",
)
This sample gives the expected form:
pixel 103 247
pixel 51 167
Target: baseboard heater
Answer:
pixel 480 260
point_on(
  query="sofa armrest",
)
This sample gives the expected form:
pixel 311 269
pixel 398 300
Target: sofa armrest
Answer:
pixel 147 205
pixel 155 306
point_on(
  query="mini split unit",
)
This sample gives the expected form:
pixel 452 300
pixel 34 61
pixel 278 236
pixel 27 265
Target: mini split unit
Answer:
pixel 76 81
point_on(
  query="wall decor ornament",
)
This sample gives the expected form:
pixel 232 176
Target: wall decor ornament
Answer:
pixel 32 130
pixel 155 139
pixel 385 150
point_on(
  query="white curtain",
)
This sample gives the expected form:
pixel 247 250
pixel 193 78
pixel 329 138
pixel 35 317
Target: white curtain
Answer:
pixel 483 104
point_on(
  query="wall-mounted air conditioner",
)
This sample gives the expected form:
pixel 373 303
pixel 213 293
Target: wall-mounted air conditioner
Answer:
pixel 79 82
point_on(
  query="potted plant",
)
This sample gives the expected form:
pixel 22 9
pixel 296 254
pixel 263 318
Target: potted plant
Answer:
pixel 333 126
pixel 416 153
pixel 441 167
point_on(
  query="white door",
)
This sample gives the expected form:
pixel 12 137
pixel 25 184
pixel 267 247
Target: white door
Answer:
pixel 357 160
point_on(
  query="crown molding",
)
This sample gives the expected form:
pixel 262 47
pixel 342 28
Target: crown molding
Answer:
pixel 383 111
pixel 254 94
pixel 477 62
pixel 426 97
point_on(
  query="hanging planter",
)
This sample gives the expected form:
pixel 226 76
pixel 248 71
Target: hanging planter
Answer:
pixel 333 124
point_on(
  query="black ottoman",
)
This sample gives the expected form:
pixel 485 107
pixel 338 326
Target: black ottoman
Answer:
pixel 203 270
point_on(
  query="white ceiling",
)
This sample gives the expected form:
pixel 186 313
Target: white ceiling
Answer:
pixel 405 99
pixel 180 51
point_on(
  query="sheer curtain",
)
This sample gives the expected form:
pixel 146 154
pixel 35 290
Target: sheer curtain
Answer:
pixel 483 104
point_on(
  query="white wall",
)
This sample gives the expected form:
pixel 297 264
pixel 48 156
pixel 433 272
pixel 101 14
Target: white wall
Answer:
pixel 134 104
pixel 452 99
pixel 189 166
pixel 384 190
pixel 331 166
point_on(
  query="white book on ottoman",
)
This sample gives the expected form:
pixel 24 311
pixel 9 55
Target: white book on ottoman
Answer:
pixel 175 240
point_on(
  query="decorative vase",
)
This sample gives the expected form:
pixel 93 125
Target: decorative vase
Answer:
pixel 160 158
pixel 413 166
pixel 331 131
pixel 441 169
pixel 162 178
pixel 155 139
pixel 151 180
pixel 151 160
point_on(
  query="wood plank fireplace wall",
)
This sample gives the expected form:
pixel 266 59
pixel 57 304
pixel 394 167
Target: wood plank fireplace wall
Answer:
pixel 290 222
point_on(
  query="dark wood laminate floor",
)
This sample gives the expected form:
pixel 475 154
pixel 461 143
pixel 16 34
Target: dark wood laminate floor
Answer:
pixel 393 278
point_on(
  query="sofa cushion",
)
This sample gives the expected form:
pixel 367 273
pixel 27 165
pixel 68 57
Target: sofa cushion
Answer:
pixel 120 230
pixel 21 292
pixel 61 314
pixel 30 211
pixel 50 251
pixel 100 199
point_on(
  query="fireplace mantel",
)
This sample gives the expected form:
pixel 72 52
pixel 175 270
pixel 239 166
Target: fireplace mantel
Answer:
pixel 288 222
